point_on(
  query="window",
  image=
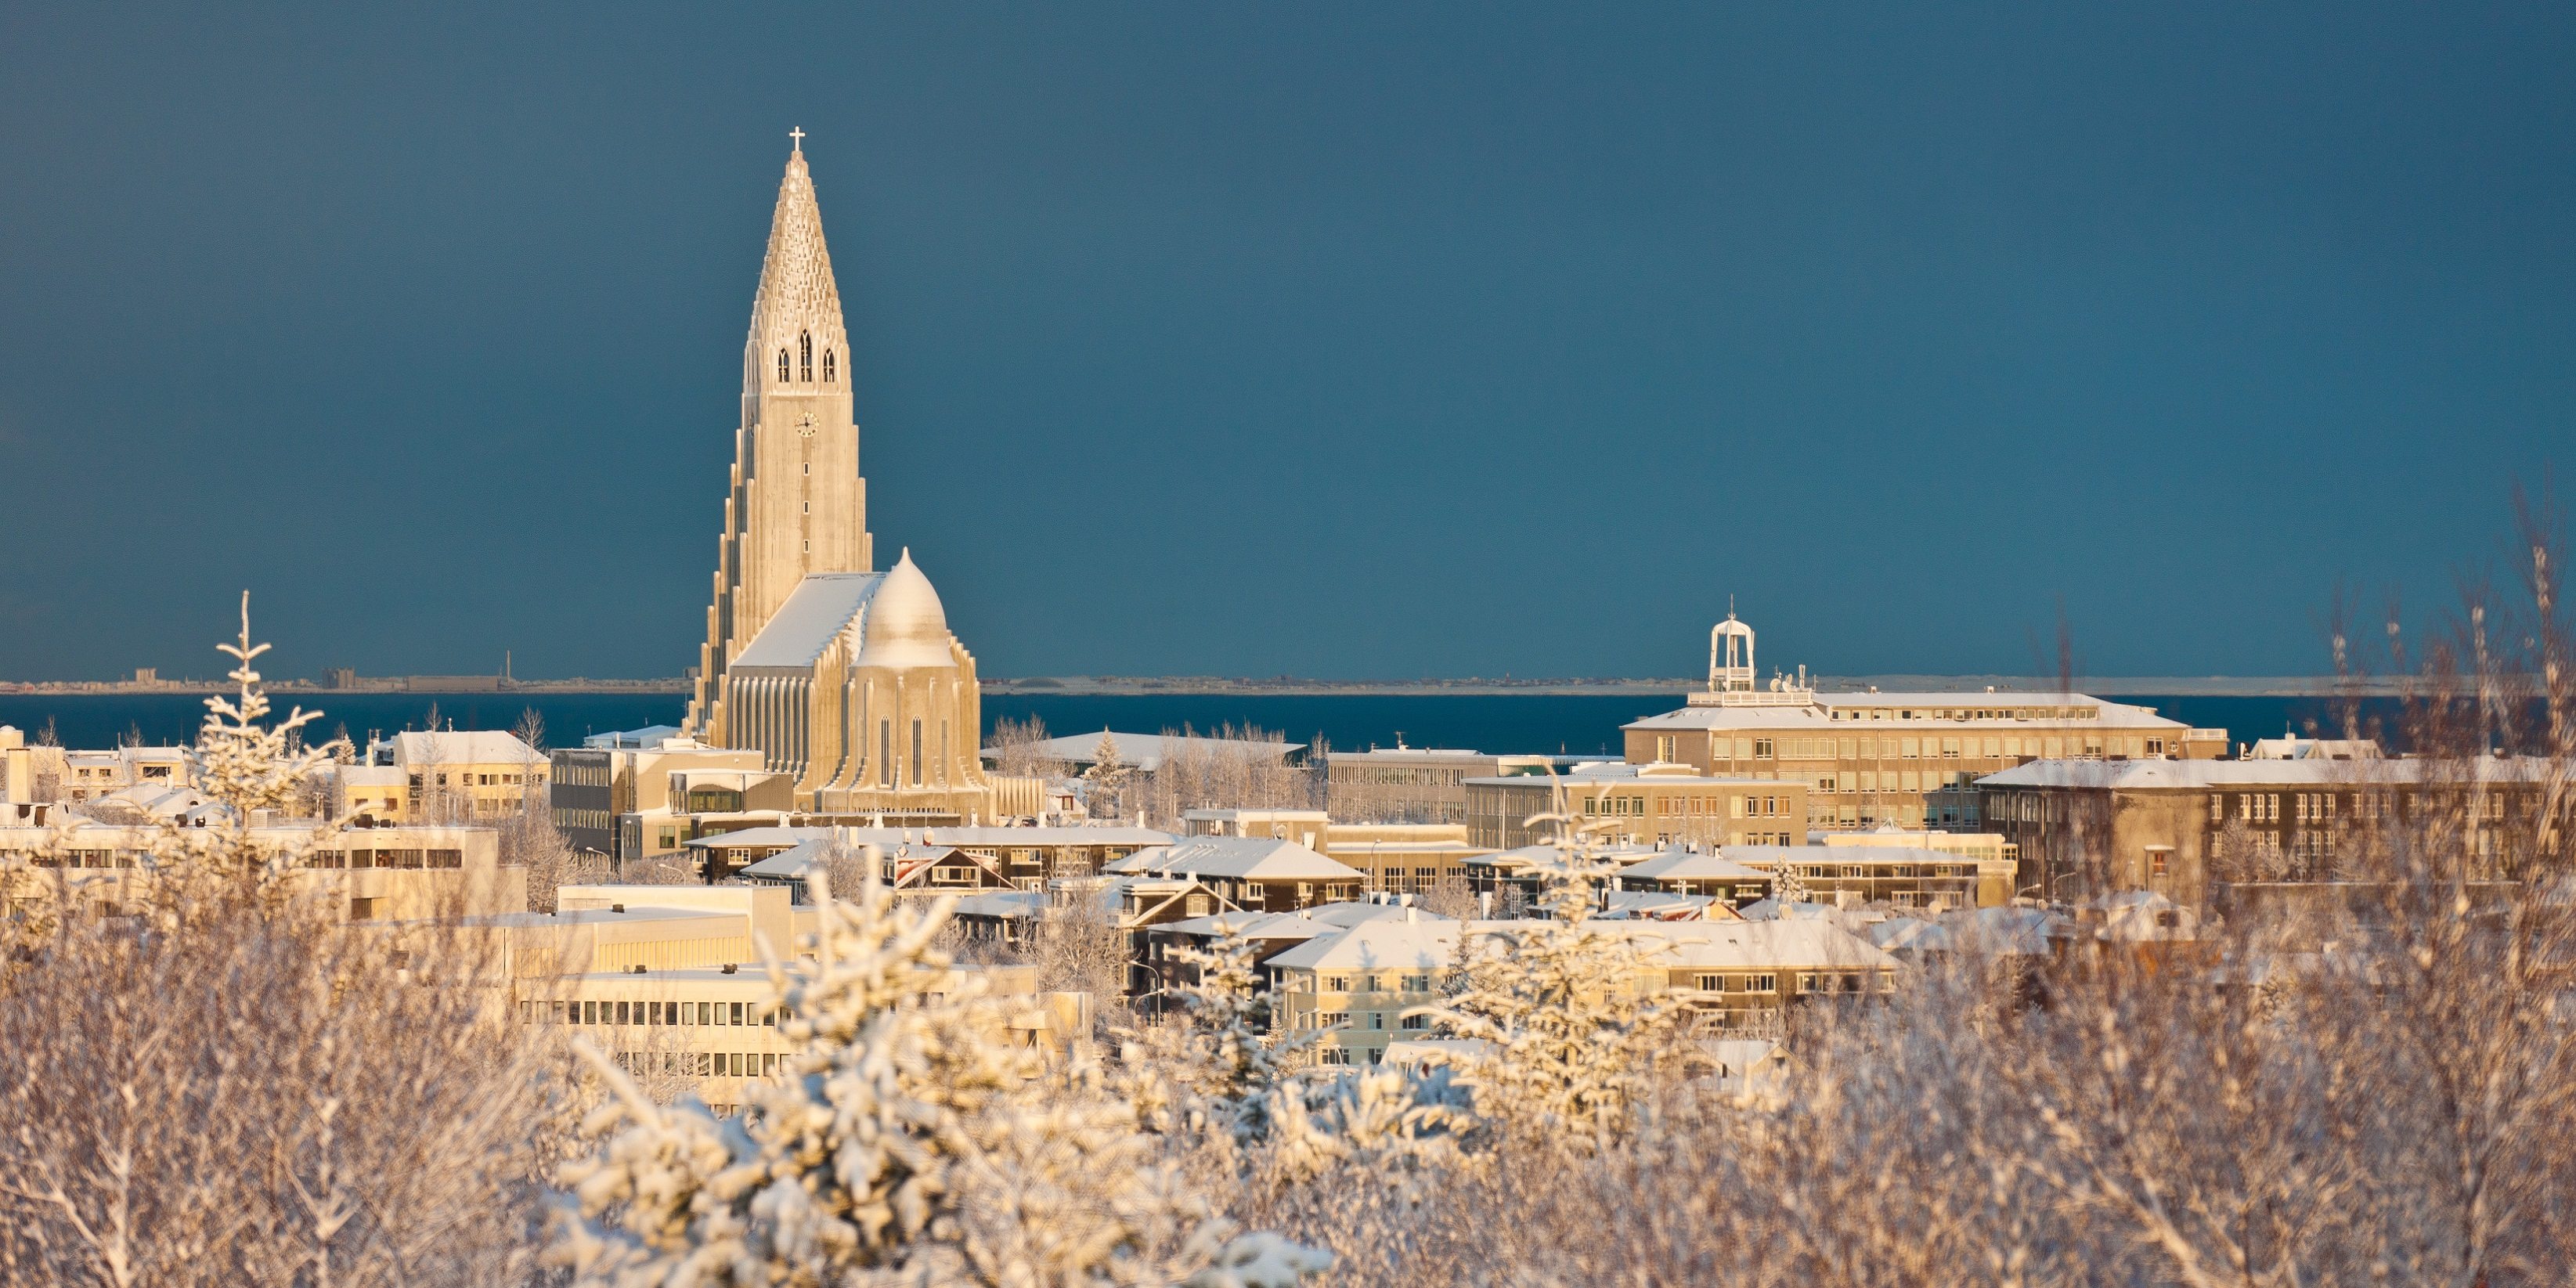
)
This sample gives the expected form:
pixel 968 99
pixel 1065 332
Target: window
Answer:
pixel 916 752
pixel 805 356
pixel 827 366
pixel 782 366
pixel 1416 1022
pixel 885 753
pixel 1762 749
pixel 1377 1019
pixel 1336 1055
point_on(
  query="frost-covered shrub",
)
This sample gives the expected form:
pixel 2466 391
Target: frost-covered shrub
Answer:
pixel 909 1141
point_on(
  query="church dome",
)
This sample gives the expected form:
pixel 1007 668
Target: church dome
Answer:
pixel 905 626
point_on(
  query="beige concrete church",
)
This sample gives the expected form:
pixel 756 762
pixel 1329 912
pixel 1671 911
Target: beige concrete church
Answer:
pixel 844 678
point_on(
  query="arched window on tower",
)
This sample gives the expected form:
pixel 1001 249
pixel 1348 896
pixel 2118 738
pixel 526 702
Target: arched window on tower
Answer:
pixel 805 357
pixel 827 366
pixel 782 366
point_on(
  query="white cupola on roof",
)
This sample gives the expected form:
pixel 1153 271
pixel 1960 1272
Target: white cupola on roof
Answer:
pixel 905 626
pixel 1730 657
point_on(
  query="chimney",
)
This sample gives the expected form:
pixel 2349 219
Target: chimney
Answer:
pixel 1409 918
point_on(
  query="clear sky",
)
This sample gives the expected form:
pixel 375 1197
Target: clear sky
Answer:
pixel 1361 341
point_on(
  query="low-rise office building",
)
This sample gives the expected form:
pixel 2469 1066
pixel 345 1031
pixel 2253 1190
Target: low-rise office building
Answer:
pixel 1401 858
pixel 626 794
pixel 2177 828
pixel 462 775
pixel 1639 804
pixel 1901 876
pixel 1367 987
pixel 1403 784
pixel 367 873
pixel 1871 758
pixel 1030 856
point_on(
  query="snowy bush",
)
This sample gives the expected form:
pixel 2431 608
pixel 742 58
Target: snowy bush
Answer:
pixel 907 1142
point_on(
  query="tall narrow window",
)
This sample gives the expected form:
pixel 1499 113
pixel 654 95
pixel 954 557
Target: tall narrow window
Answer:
pixel 805 357
pixel 916 752
pixel 782 366
pixel 885 753
pixel 827 366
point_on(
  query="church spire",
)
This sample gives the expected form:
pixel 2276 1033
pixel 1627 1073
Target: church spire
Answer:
pixel 797 339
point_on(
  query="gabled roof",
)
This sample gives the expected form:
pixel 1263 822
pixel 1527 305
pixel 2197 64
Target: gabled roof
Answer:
pixel 1239 858
pixel 818 610
pixel 1685 865
pixel 1380 945
pixel 1251 925
pixel 1352 913
pixel 414 748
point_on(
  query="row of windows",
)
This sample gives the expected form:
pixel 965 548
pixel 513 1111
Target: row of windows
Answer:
pixel 700 1064
pixel 1739 983
pixel 669 1014
pixel 332 859
pixel 1370 983
pixel 1372 1021
pixel 805 361
pixel 593 819
pixel 1957 713
pixel 481 780
pixel 2087 747
pixel 581 773
pixel 1736 806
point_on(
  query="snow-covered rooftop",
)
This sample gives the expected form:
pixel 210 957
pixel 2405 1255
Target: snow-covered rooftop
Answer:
pixel 1145 751
pixel 1885 713
pixel 817 611
pixel 2140 775
pixel 1240 858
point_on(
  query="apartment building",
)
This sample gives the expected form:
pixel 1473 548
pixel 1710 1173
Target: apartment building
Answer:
pixel 670 981
pixel 2179 827
pixel 460 775
pixel 1902 876
pixel 369 874
pixel 1403 784
pixel 1401 858
pixel 1029 856
pixel 1365 987
pixel 1640 804
pixel 1871 758
pixel 619 794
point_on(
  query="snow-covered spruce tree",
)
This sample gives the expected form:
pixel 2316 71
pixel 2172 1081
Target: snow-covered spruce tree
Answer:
pixel 252 769
pixel 908 1142
pixel 233 1085
pixel 1568 1037
pixel 1209 1065
pixel 1105 783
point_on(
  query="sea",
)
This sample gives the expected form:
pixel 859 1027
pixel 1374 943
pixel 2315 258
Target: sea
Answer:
pixel 1512 723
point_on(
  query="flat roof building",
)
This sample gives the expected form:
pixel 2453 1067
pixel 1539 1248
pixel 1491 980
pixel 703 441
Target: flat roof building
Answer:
pixel 1640 804
pixel 1871 758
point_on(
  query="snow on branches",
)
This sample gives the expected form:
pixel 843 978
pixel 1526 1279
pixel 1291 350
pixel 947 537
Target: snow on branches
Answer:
pixel 1568 1038
pixel 909 1141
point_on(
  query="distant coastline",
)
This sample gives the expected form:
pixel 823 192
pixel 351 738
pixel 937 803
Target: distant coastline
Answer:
pixel 2276 686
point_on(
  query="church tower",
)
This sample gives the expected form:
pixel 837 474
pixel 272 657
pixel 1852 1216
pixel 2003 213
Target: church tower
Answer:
pixel 797 505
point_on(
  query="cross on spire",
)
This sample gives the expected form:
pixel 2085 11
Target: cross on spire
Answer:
pixel 798 135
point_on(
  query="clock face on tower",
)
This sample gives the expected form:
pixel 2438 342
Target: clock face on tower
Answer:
pixel 805 427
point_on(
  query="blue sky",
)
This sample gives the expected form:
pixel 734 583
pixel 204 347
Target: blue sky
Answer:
pixel 1358 341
